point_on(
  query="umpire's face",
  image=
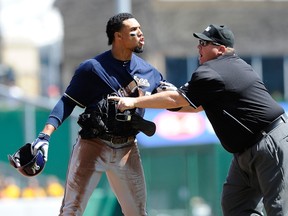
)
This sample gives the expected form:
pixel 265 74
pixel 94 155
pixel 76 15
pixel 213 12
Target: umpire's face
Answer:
pixel 131 37
pixel 209 51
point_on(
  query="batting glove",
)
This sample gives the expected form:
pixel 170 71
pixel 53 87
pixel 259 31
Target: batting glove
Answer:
pixel 41 144
pixel 166 86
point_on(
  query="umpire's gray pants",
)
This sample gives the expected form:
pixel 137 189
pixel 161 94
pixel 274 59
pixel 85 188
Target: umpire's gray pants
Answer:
pixel 89 159
pixel 259 176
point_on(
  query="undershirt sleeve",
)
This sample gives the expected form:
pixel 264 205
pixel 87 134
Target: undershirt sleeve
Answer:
pixel 61 111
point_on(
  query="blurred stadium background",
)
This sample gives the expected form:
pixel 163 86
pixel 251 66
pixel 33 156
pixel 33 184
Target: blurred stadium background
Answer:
pixel 41 42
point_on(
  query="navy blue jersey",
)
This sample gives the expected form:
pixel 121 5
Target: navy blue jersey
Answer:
pixel 102 75
pixel 234 98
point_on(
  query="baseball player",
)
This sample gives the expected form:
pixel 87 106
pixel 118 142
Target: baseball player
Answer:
pixel 107 137
pixel 248 122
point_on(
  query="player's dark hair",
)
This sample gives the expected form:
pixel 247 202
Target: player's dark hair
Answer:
pixel 114 24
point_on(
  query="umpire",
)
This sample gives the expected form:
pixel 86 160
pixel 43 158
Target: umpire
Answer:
pixel 246 119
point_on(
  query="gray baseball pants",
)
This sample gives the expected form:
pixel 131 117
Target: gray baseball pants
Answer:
pixel 258 178
pixel 89 159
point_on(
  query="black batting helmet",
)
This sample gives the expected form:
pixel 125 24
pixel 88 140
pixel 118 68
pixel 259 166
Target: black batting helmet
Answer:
pixel 26 163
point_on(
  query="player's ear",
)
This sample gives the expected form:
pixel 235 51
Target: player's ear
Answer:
pixel 117 35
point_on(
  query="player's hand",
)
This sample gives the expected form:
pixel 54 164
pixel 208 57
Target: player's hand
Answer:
pixel 124 103
pixel 166 86
pixel 41 144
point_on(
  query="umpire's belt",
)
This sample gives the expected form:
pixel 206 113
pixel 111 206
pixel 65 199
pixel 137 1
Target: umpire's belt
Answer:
pixel 281 119
pixel 116 139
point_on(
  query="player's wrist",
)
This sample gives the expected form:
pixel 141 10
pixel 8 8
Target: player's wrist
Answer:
pixel 44 136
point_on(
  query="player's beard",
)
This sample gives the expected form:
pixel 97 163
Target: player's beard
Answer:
pixel 138 49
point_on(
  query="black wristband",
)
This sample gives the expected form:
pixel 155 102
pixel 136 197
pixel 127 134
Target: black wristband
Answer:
pixel 44 136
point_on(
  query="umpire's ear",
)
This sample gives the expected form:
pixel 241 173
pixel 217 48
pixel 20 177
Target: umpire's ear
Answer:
pixel 221 50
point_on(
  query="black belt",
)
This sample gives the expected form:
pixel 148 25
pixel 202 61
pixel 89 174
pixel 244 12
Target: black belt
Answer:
pixel 281 119
pixel 116 139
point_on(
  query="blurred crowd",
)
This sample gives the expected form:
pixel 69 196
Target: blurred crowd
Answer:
pixel 12 188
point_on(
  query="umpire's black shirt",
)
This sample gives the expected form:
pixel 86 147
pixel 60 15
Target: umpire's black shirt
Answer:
pixel 235 100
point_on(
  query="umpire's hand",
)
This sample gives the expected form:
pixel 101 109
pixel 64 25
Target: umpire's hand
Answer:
pixel 124 103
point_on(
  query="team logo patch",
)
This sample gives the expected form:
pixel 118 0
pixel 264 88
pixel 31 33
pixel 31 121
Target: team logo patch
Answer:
pixel 208 29
pixel 142 82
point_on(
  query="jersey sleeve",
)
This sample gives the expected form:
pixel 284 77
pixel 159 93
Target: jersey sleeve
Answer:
pixel 85 86
pixel 205 87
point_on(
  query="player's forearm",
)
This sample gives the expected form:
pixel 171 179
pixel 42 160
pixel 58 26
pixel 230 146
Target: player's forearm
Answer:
pixel 48 129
